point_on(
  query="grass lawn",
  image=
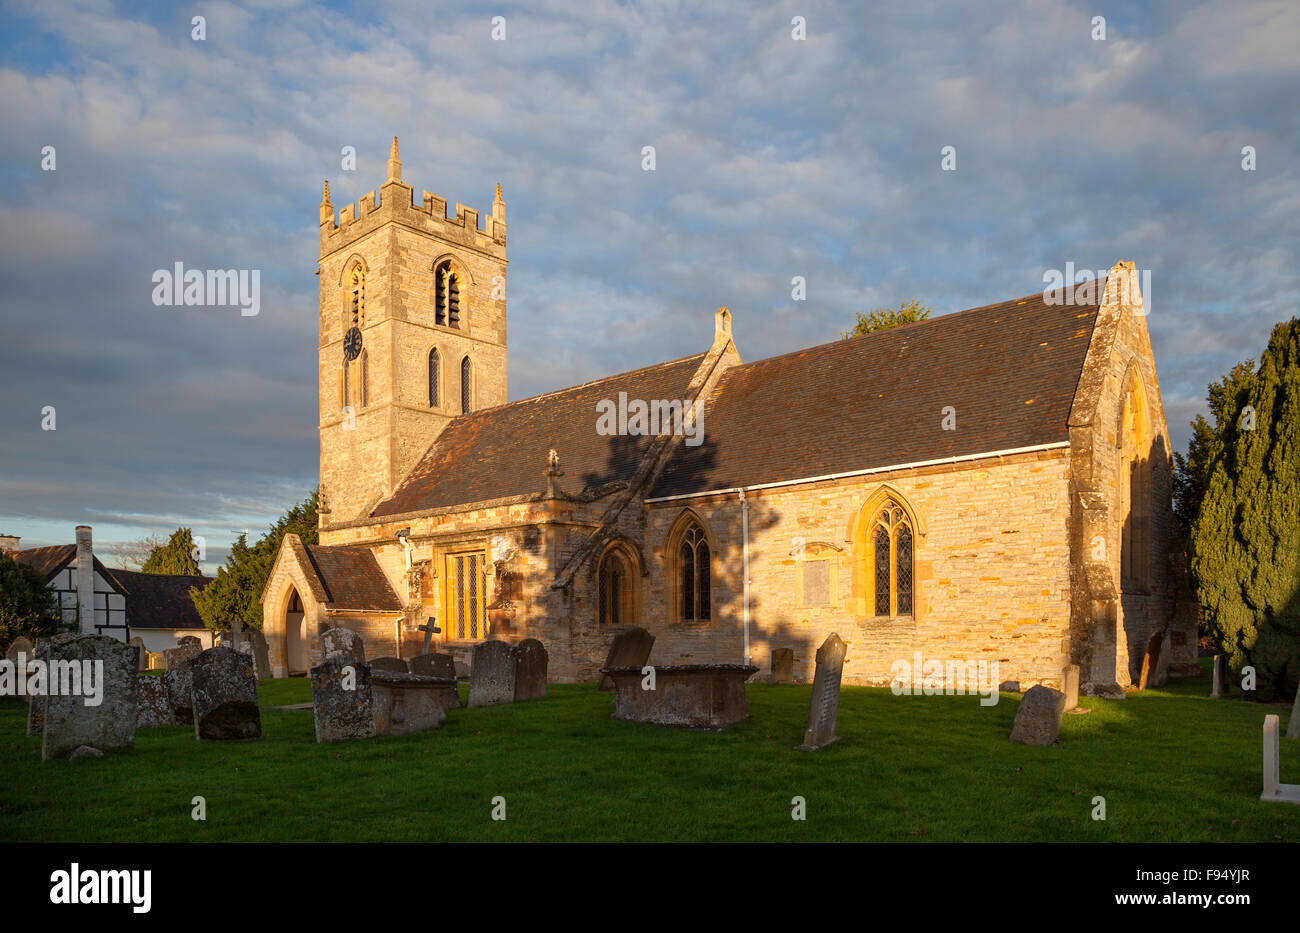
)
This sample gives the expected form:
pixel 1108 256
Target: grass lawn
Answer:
pixel 1172 764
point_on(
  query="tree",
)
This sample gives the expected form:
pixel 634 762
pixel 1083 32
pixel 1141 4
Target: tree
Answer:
pixel 909 312
pixel 1189 471
pixel 131 555
pixel 26 604
pixel 175 557
pixel 236 593
pixel 1244 547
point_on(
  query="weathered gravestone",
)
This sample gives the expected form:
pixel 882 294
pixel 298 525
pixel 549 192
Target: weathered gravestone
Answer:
pixel 530 670
pixel 342 700
pixel 406 703
pixel 190 641
pixel 1038 720
pixel 225 696
pixel 782 665
pixel 20 645
pixel 36 702
pixel 178 675
pixel 442 666
pixel 342 642
pixel 141 654
pixel 152 706
pixel 396 665
pixel 75 666
pixel 1220 686
pixel 1071 685
pixel 261 654
pixel 630 649
pixel 187 649
pixel 492 674
pixel 245 648
pixel 1151 675
pixel 825 694
pixel 1274 790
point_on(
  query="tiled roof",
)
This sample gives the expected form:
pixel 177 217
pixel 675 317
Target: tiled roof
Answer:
pixel 1009 370
pixel 501 452
pixel 47 561
pixel 352 578
pixel 159 600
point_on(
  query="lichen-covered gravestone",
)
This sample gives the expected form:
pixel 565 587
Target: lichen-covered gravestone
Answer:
pixel 36 702
pixel 178 675
pixel 342 700
pixel 152 706
pixel 342 642
pixel 20 645
pixel 782 665
pixel 225 696
pixel 492 674
pixel 630 649
pixel 261 653
pixel 91 696
pixel 825 705
pixel 396 665
pixel 443 666
pixel 1038 720
pixel 530 670
pixel 142 653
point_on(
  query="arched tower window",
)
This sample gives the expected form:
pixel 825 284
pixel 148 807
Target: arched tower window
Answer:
pixel 617 581
pixel 357 283
pixel 466 386
pixel 891 560
pixel 446 297
pixel 694 575
pixel 433 378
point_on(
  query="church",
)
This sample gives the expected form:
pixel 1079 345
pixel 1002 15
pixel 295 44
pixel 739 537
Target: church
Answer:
pixel 989 485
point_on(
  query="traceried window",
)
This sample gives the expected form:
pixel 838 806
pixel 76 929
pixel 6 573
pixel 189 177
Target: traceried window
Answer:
pixel 434 372
pixel 446 295
pixel 694 578
pixel 616 595
pixel 891 541
pixel 466 386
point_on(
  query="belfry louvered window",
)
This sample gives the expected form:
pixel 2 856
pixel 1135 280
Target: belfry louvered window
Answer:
pixel 892 564
pixel 446 295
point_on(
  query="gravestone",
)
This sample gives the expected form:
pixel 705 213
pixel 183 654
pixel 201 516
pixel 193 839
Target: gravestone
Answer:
pixel 825 694
pixel 1150 674
pixel 156 661
pixel 530 670
pixel 225 696
pixel 152 706
pixel 141 653
pixel 21 644
pixel 396 665
pixel 245 648
pixel 344 642
pixel 69 722
pixel 1071 684
pixel 179 678
pixel 341 713
pixel 190 641
pixel 630 649
pixel 1293 724
pixel 1038 720
pixel 1274 790
pixel 187 649
pixel 782 665
pixel 236 633
pixel 36 704
pixel 261 654
pixel 442 666
pixel 1220 685
pixel 406 703
pixel 492 674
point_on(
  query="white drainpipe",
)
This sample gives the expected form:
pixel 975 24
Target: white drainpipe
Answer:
pixel 744 550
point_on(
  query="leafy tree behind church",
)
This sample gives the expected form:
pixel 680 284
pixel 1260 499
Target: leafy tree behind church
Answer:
pixel 236 593
pixel 909 312
pixel 176 557
pixel 1244 546
pixel 26 604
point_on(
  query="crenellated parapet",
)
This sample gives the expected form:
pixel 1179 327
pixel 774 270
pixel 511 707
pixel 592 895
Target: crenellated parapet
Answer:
pixel 396 204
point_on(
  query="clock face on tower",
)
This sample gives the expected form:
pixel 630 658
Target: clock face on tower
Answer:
pixel 352 344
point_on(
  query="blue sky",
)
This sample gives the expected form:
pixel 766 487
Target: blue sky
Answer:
pixel 775 158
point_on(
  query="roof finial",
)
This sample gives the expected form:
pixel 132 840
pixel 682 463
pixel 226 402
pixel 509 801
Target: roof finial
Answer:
pixel 326 209
pixel 325 198
pixel 394 163
pixel 499 207
pixel 498 191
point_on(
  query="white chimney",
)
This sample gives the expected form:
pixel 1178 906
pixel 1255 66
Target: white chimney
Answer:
pixel 9 544
pixel 85 580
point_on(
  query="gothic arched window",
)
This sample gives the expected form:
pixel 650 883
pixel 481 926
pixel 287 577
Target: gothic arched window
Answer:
pixel 357 281
pixel 616 588
pixel 694 577
pixel 446 295
pixel 466 386
pixel 892 571
pixel 433 378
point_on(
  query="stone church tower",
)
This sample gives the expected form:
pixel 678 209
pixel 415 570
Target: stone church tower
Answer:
pixel 412 334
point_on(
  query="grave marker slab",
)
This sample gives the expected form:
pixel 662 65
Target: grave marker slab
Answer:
pixel 630 649
pixel 690 696
pixel 782 665
pixel 342 714
pixel 530 670
pixel 342 641
pixel 261 654
pixel 492 674
pixel 152 706
pixel 69 722
pixel 406 703
pixel 185 651
pixel 21 644
pixel 1038 720
pixel 825 705
pixel 36 704
pixel 1274 790
pixel 395 665
pixel 442 666
pixel 225 696
pixel 1220 685
pixel 179 678
pixel 142 653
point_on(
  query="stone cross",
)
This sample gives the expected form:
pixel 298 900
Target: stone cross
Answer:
pixel 826 694
pixel 430 629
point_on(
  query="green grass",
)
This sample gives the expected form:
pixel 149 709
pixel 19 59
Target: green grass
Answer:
pixel 1172 765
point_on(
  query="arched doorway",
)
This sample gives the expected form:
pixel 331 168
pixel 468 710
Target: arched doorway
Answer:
pixel 297 656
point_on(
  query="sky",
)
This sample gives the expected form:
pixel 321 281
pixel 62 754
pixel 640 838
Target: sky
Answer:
pixel 775 157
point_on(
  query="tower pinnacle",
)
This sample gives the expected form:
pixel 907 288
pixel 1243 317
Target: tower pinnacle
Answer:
pixel 394 163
